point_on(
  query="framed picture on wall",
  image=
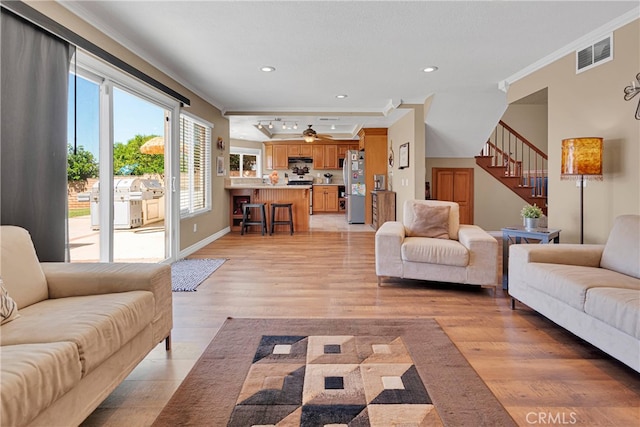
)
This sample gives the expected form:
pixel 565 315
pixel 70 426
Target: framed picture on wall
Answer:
pixel 220 166
pixel 403 157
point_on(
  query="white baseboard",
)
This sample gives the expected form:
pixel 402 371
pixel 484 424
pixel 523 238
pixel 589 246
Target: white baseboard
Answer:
pixel 202 243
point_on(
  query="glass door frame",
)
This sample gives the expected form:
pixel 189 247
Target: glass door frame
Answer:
pixel 109 78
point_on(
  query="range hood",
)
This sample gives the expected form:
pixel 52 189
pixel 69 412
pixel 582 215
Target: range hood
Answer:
pixel 300 160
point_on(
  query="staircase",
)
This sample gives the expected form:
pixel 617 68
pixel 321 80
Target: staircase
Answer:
pixel 517 163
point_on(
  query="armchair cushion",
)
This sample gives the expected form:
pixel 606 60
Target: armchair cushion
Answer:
pixel 434 251
pixel 429 221
pixel 454 214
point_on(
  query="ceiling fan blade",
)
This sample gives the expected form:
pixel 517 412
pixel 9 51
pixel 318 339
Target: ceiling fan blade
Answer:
pixel 324 136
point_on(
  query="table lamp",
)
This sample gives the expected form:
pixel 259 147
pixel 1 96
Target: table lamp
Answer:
pixel 581 160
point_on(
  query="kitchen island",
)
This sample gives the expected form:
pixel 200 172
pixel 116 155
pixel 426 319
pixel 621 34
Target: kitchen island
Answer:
pixel 298 195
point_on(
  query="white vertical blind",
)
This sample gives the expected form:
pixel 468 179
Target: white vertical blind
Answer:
pixel 195 166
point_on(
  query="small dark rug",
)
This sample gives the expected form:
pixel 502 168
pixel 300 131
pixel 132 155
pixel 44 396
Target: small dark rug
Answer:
pixel 317 372
pixel 187 274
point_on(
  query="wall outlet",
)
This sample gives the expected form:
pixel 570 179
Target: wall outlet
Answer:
pixel 195 227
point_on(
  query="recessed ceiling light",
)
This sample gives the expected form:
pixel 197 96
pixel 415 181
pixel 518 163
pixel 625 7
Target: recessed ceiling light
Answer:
pixel 267 69
pixel 430 69
pixel 341 96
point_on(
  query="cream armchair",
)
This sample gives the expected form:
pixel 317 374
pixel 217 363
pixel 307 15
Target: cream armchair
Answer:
pixel 430 244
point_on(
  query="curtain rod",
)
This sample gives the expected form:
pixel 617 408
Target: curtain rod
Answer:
pixel 27 12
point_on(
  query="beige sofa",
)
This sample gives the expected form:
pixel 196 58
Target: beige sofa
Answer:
pixel 463 254
pixel 81 330
pixel 591 290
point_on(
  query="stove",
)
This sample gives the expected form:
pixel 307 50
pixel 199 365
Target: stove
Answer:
pixel 295 179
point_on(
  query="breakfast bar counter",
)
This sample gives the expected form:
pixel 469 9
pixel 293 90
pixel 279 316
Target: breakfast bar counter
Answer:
pixel 298 195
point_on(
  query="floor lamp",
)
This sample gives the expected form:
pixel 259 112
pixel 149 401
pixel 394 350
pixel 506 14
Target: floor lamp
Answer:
pixel 581 160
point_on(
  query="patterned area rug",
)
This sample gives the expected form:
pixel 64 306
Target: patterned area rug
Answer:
pixel 336 372
pixel 187 274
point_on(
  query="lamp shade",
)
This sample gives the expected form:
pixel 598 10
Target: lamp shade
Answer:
pixel 581 157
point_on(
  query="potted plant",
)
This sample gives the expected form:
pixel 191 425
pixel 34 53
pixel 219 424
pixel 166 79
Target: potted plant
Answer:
pixel 531 215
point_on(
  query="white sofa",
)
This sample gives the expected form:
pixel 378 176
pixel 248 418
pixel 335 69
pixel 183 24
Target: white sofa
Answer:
pixel 464 254
pixel 591 290
pixel 81 329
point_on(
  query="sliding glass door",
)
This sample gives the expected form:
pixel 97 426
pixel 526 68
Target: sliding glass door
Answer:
pixel 119 169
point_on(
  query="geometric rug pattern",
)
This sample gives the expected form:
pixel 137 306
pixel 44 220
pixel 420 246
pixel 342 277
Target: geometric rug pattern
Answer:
pixel 332 372
pixel 339 380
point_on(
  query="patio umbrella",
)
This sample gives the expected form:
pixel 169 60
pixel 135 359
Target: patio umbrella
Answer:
pixel 153 146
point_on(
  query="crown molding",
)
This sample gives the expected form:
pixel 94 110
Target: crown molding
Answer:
pixel 583 41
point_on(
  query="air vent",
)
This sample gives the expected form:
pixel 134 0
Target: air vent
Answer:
pixel 327 119
pixel 595 54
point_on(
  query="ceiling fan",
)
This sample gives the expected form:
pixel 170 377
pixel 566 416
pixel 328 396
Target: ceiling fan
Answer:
pixel 310 135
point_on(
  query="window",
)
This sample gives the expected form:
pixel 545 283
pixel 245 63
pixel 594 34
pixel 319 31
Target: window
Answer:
pixel 245 162
pixel 195 166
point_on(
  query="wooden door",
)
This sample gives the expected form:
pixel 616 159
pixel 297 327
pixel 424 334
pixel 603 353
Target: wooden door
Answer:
pixel 455 185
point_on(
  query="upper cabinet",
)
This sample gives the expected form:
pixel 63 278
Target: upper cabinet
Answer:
pixel 325 155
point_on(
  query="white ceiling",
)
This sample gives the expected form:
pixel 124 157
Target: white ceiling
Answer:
pixel 374 52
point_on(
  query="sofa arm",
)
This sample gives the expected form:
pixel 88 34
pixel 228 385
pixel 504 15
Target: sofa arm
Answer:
pixel 389 238
pixel 80 279
pixel 564 253
pixel 483 254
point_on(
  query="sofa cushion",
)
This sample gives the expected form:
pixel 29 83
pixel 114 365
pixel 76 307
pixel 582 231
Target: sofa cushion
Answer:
pixel 429 221
pixel 19 267
pixel 454 214
pixel 617 307
pixel 434 251
pixel 570 283
pixel 622 251
pixel 97 324
pixel 8 307
pixel 33 376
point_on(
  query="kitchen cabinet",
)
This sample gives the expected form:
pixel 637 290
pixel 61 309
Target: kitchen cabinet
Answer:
pixel 280 157
pixel 383 207
pixel 306 150
pixel 318 157
pixel 331 156
pixel 325 198
pixel 268 155
pixel 300 150
pixel 293 150
pixel 374 143
pixel 325 156
pixel 343 148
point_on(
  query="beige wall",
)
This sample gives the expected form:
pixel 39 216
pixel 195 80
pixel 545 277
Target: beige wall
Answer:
pixel 591 104
pixel 408 183
pixel 208 223
pixel 530 121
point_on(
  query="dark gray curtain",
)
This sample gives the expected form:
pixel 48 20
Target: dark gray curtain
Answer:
pixel 34 69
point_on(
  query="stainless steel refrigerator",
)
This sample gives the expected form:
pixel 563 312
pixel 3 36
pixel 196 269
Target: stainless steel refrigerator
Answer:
pixel 354 186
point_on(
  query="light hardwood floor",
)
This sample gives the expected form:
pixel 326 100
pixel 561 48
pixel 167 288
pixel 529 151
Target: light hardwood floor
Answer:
pixel 542 374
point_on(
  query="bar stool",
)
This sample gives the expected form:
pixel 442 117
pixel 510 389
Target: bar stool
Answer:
pixel 281 222
pixel 245 217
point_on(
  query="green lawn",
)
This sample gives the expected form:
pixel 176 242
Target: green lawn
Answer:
pixel 78 212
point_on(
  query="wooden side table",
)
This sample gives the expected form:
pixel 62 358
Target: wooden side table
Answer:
pixel 518 234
